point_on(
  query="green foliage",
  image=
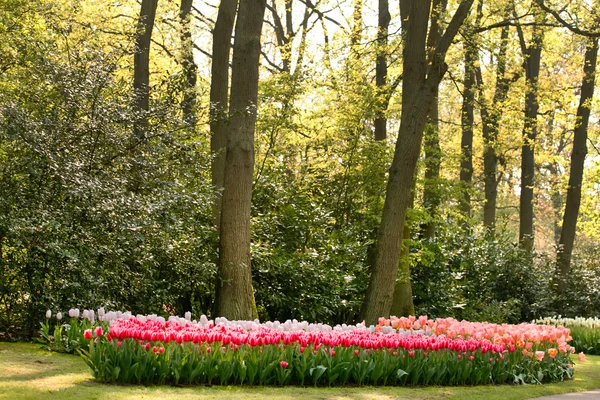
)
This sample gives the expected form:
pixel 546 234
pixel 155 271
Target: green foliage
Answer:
pixel 89 215
pixel 469 275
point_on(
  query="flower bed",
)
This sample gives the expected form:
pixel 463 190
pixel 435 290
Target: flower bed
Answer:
pixel 584 331
pixel 151 350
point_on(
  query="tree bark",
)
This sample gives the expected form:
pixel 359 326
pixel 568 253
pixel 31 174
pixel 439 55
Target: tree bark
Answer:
pixel 467 122
pixel 532 56
pixel 236 296
pixel 403 302
pixel 490 120
pixel 141 68
pixel 415 15
pixel 190 69
pixel 569 226
pixel 433 151
pixel 219 87
pixel 381 69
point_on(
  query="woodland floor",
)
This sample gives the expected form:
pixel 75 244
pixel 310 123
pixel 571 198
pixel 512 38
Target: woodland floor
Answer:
pixel 28 372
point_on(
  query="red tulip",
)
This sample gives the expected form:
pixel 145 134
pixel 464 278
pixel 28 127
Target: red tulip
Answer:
pixel 87 334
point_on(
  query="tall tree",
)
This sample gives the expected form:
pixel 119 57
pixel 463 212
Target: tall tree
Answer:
pixel 381 68
pixel 141 67
pixel 433 152
pixel 235 293
pixel 190 69
pixel 468 117
pixel 141 83
pixel 219 87
pixel 580 137
pixel 417 96
pixel 532 58
pixel 490 116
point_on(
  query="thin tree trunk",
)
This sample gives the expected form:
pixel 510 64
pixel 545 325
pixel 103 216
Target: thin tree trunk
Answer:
pixel 415 15
pixel 381 69
pixel 468 116
pixel 569 226
pixel 467 122
pixel 190 69
pixel 433 151
pixel 141 67
pixel 219 87
pixel 532 56
pixel 490 124
pixel 236 296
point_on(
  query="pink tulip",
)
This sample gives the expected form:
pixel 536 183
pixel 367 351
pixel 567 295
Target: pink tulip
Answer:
pixel 283 364
pixel 581 357
pixel 539 355
pixel 87 334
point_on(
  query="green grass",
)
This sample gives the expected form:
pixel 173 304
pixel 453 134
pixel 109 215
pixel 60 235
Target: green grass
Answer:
pixel 27 372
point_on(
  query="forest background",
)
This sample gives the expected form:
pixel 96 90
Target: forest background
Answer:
pixel 109 160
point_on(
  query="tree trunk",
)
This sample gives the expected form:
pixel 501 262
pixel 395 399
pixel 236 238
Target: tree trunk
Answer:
pixel 381 69
pixel 490 124
pixel 467 122
pixel 433 152
pixel 403 302
pixel 141 68
pixel 219 87
pixel 532 56
pixel 569 226
pixel 417 97
pixel 236 296
pixel 190 69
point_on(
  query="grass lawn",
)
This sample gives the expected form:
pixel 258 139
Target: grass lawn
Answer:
pixel 27 372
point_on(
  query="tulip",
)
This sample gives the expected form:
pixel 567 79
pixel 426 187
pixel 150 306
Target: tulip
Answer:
pixel 539 355
pixel 552 352
pixel 98 331
pixel 87 334
pixel 581 357
pixel 59 315
pixel 283 364
pixel 74 313
pixel 48 314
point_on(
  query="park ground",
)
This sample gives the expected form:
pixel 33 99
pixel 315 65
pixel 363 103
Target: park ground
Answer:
pixel 29 372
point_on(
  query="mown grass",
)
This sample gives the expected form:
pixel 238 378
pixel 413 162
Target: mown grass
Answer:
pixel 28 372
